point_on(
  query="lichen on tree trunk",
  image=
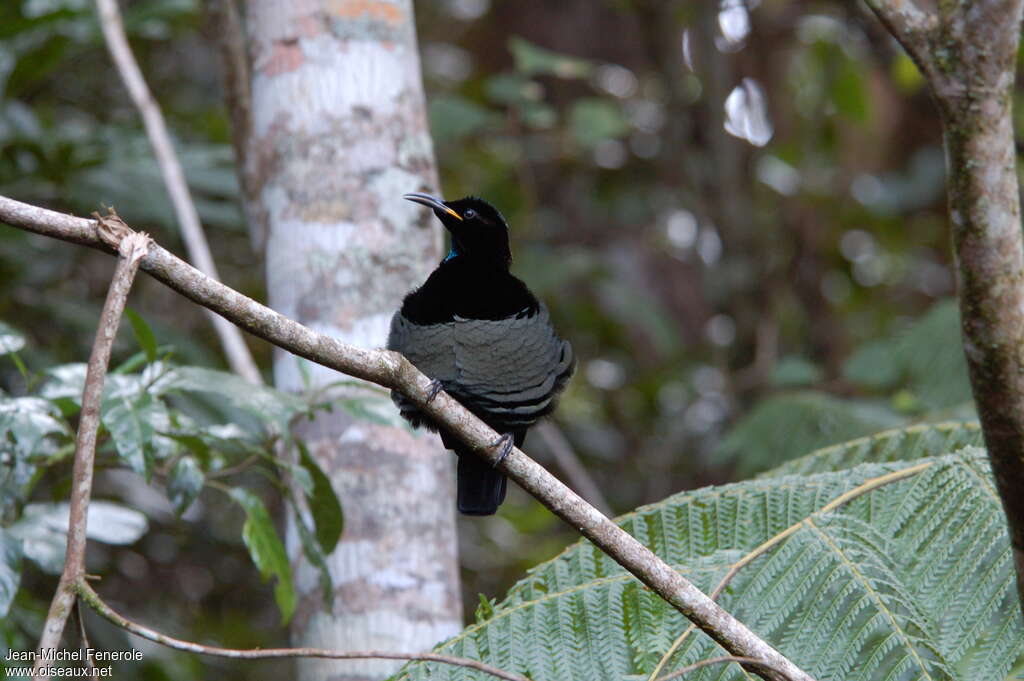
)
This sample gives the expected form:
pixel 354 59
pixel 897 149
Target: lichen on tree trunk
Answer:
pixel 339 134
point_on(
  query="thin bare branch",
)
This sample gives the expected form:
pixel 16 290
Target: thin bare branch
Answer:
pixel 238 355
pixel 83 636
pixel 88 595
pixel 580 479
pixel 724 659
pixel 237 84
pixel 132 247
pixel 391 370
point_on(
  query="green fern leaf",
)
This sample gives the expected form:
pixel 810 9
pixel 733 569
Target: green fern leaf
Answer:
pixel 899 444
pixel 788 425
pixel 907 576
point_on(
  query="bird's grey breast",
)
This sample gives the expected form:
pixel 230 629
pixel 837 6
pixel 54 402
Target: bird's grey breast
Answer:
pixel 513 366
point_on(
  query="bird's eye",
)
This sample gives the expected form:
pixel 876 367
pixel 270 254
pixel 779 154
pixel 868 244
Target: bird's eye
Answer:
pixel 469 214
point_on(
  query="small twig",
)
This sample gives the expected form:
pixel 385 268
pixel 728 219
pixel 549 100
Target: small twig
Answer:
pixel 238 355
pixel 237 468
pixel 579 478
pixel 725 659
pixel 132 248
pixel 83 637
pixel 88 595
pixel 391 370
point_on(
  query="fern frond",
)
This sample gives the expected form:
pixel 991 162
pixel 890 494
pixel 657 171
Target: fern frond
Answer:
pixel 899 444
pixel 908 576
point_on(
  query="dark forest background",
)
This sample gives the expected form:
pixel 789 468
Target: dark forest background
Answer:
pixel 735 212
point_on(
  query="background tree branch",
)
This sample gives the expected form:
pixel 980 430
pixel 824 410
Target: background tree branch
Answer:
pixel 393 371
pixel 968 52
pixel 578 475
pixel 229 25
pixel 235 350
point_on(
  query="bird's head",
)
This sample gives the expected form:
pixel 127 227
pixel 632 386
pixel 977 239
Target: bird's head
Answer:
pixel 478 230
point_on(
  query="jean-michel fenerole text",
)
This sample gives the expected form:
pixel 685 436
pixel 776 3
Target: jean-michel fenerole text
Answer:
pixel 79 655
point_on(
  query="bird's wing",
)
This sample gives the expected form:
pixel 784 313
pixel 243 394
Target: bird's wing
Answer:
pixel 430 347
pixel 512 368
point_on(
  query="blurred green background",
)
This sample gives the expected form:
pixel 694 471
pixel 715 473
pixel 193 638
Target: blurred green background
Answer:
pixel 735 212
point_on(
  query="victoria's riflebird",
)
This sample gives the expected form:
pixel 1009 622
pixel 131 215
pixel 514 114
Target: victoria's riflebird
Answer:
pixel 483 338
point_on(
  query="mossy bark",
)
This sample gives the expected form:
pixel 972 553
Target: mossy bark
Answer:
pixel 967 51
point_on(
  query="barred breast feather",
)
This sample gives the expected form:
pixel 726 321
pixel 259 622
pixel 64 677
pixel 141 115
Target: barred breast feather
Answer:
pixel 507 371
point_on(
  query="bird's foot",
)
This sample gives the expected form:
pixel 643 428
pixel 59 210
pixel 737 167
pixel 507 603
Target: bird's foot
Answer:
pixel 506 442
pixel 435 387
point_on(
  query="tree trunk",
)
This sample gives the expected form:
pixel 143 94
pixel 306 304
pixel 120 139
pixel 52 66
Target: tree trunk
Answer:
pixel 339 133
pixel 968 52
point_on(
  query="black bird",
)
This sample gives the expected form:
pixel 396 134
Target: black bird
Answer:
pixel 484 339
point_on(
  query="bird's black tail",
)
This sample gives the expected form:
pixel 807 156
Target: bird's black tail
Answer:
pixel 481 488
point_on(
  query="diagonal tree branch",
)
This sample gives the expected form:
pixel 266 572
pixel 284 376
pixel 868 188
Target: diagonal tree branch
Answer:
pixel 391 370
pixel 131 248
pixel 238 355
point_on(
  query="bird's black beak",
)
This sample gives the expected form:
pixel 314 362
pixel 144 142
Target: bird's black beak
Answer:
pixel 431 202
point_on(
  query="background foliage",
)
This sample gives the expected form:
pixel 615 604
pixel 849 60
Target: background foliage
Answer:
pixel 734 210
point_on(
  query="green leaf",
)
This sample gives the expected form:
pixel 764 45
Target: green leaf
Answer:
pixel 266 550
pixel 133 426
pixel 25 425
pixel 531 59
pixel 899 444
pixel 538 116
pixel 912 578
pixel 110 522
pixel 271 407
pixel 11 340
pixel 849 91
pixel 196 445
pixel 43 529
pixel 373 409
pixel 926 358
pixel 512 89
pixel 593 120
pixel 30 430
pixel 874 366
pixel 67 381
pixel 905 74
pixel 784 426
pixel 185 483
pixel 484 609
pixel 143 334
pixel 323 504
pixel 315 554
pixel 793 371
pixel 10 569
pixel 453 118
